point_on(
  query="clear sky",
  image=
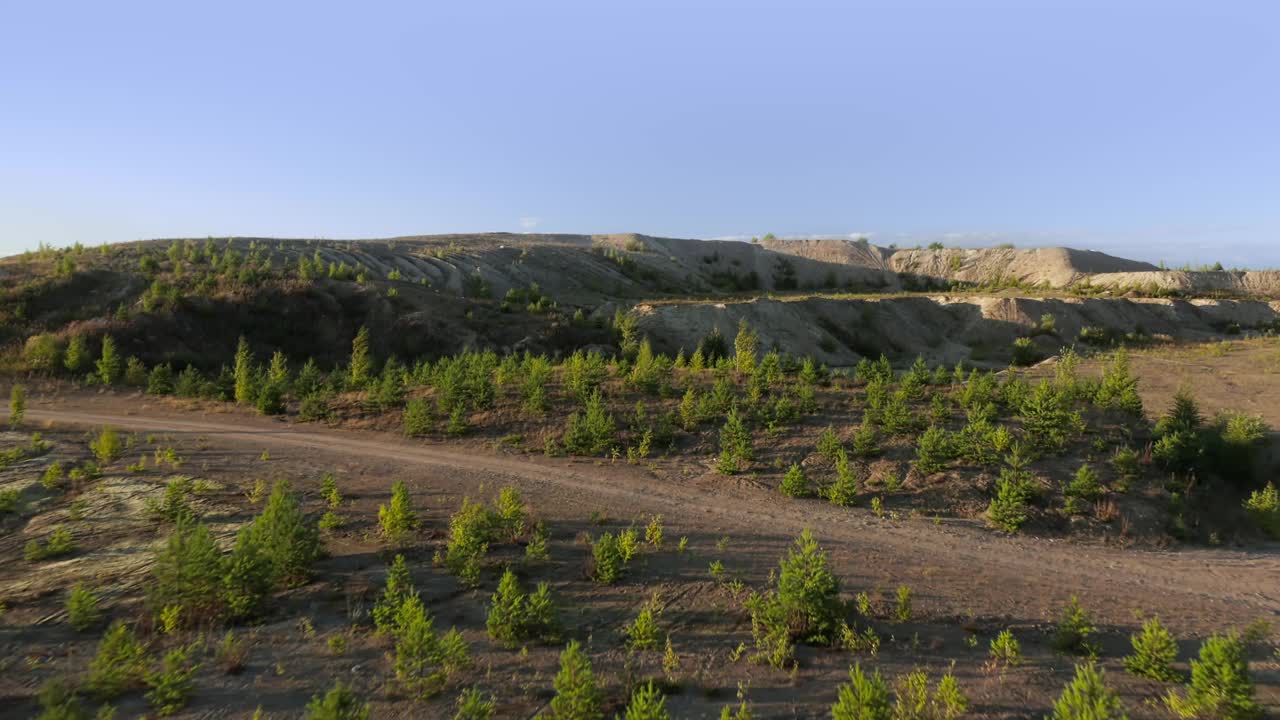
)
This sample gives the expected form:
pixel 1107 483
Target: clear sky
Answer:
pixel 1147 129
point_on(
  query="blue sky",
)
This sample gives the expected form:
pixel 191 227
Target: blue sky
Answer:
pixel 1147 129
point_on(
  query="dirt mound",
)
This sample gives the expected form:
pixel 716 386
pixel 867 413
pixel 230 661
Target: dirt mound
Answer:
pixel 978 330
pixel 1265 283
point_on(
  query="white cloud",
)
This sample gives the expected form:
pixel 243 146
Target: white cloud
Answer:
pixel 529 222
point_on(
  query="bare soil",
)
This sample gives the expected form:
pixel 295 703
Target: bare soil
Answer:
pixel 967 581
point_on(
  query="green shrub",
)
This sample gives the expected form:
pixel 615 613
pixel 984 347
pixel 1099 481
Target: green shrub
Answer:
pixel 424 661
pixel 399 588
pixel 1264 507
pixel 642 633
pixel 1047 420
pixel 913 699
pixel 745 347
pixel 76 359
pixel 794 483
pixel 470 531
pixel 171 683
pixel 1074 630
pixel 110 365
pixel 1119 389
pixel 866 441
pixel 340 703
pixel 592 432
pixel 58 701
pixel 417 418
pixel 1082 488
pixel 119 664
pixel 17 405
pixel 933 450
pixel 397 519
pixel 577 697
pixel 1087 697
pixel 174 506
pixel 1154 652
pixel 160 380
pixel 902 608
pixel 829 444
pixel 864 697
pixel 107 446
pixel 647 703
pixel 1005 649
pixel 59 543
pixel 290 544
pixel 736 450
pixel 1220 687
pixel 515 617
pixel 42 352
pixel 844 489
pixel 510 512
pixel 608 562
pixel 360 369
pixel 805 603
pixel 82 608
pixel 1024 352
pixel 472 705
pixel 53 476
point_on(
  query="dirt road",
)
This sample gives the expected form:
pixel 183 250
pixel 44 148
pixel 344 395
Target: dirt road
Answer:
pixel 959 568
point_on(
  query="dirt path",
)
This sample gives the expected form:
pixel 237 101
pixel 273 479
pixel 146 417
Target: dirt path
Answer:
pixel 958 568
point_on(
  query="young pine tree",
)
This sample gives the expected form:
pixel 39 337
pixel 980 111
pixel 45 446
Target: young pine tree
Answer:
pixel 1087 697
pixel 794 483
pixel 1154 652
pixel 398 518
pixel 577 697
pixel 110 365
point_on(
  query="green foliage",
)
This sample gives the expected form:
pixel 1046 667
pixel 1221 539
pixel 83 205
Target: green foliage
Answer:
pixel 119 664
pixel 424 661
pixel 289 544
pixel 360 369
pixel 108 445
pixel 593 431
pixel 843 491
pixel 933 450
pixel 339 703
pixel 417 419
pixel 60 542
pixel 510 513
pixel 1005 649
pixel 608 561
pixel 866 441
pixel 829 444
pixel 397 519
pixel 913 699
pixel 110 365
pixel 577 697
pixel 470 531
pixel 1264 507
pixel 642 633
pixel 647 703
pixel 174 506
pixel 43 352
pixel 794 483
pixel 1087 697
pixel 1154 652
pixel 76 359
pixel 1083 487
pixel 245 377
pixel 902 607
pixel 736 449
pixel 1024 352
pixel 864 697
pixel 17 405
pixel 804 605
pixel 171 683
pixel 1047 420
pixel 1074 629
pixel 188 574
pixel 82 608
pixel 1180 443
pixel 472 705
pixel 1220 688
pixel 160 380
pixel 1119 389
pixel 745 347
pixel 515 616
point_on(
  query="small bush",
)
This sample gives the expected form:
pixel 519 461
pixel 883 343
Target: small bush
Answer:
pixel 107 446
pixel 82 608
pixel 577 697
pixel 1087 697
pixel 470 531
pixel 1005 649
pixel 59 543
pixel 417 419
pixel 340 703
pixel 397 519
pixel 17 405
pixel 1154 652
pixel 119 664
pixel 642 633
pixel 424 661
pixel 516 617
pixel 933 450
pixel 608 562
pixel 794 483
pixel 844 489
pixel 1220 685
pixel 472 705
pixel 647 703
pixel 1074 630
pixel 1264 507
pixel 864 697
pixel 171 683
pixel 399 588
pixel 902 608
pixel 736 450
